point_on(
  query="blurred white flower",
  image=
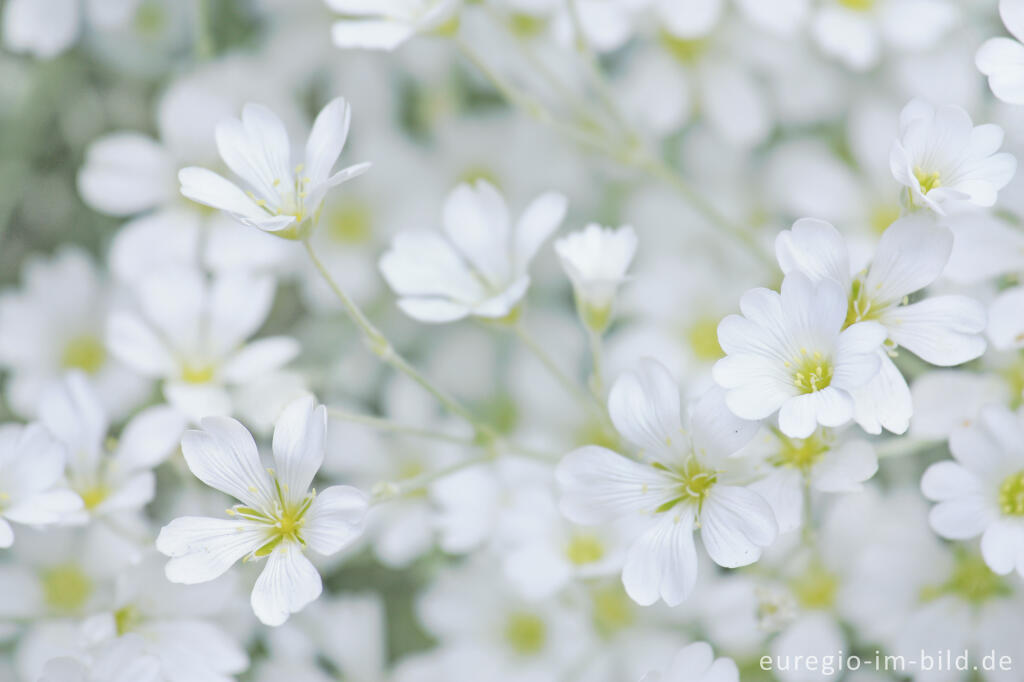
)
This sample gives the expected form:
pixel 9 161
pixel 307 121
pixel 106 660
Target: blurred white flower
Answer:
pixel 386 24
pixel 278 198
pixel 191 333
pixel 479 264
pixel 31 469
pixel 122 661
pixel 944 160
pixel 1002 59
pixel 109 478
pixel 46 28
pixel 792 353
pixel 55 323
pixel 982 491
pixel 696 663
pixel 942 330
pixel 679 484
pixel 596 260
pixel 855 31
pixel 278 517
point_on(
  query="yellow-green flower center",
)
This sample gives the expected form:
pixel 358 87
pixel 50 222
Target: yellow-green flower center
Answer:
pixel 816 588
pixel 350 224
pixel 94 495
pixel 882 216
pixel 687 51
pixel 1011 495
pixel 200 373
pixel 702 337
pixel 928 181
pixel 800 454
pixel 284 521
pixel 858 5
pixel 613 610
pixel 85 352
pixel 972 580
pixel 694 483
pixel 811 371
pixel 525 632
pixel 584 548
pixel 66 587
pixel 126 619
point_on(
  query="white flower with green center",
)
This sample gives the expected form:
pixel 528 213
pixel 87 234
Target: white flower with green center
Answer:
pixel 981 492
pixel 191 332
pixel 824 462
pixel 278 197
pixel 31 469
pixel 111 476
pixel 478 265
pixel 278 517
pixel 696 663
pixel 680 481
pixel 792 353
pixel 943 159
pixel 943 330
pixel 596 260
pixel 387 24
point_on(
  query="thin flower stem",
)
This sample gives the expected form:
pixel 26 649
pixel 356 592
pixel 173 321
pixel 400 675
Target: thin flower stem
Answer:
pixel 597 361
pixel 382 348
pixel 604 90
pixel 382 424
pixel 808 535
pixel 585 398
pixel 393 491
pixel 632 153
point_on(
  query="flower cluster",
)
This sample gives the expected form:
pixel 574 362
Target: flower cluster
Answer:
pixel 660 340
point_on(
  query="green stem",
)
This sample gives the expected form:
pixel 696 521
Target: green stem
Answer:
pixel 382 424
pixel 588 400
pixel 382 348
pixel 597 360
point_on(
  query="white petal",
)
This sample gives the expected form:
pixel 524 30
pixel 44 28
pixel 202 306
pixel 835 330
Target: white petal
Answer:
pixel 1006 319
pixel 599 486
pixel 844 468
pixel 149 438
pixel 736 523
pixel 800 415
pixel 942 330
pixel 433 310
pixel 1002 546
pixel 198 401
pixel 689 19
pixel 644 406
pixel 239 303
pixel 475 219
pixel 911 255
pixel 1002 60
pixel 884 401
pixel 210 189
pixel 948 480
pixel 335 519
pixel 540 219
pixel 287 584
pixel 133 342
pixel 223 455
pixel 662 563
pixel 202 549
pixel 259 357
pixel 126 173
pixel 370 34
pixel 327 139
pixel 299 446
pixel 961 518
pixel 782 489
pixel 716 432
pixel 815 248
pixel 1012 14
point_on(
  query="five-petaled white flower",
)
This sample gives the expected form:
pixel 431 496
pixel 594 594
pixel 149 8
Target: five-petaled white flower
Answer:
pixel 278 197
pixel 943 159
pixel 943 330
pixel 478 266
pixel 680 481
pixel 387 24
pixel 278 516
pixel 792 353
pixel 596 260
pixel 982 491
pixel 31 467
pixel 191 333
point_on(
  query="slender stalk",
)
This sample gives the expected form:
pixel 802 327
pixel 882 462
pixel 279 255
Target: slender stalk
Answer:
pixel 604 90
pixel 587 399
pixel 393 491
pixel 597 362
pixel 389 426
pixel 382 348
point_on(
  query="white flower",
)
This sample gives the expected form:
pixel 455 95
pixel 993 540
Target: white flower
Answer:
pixel 191 333
pixel 854 31
pixel 943 330
pixel 478 266
pixel 790 353
pixel 982 491
pixel 696 663
pixel 55 323
pixel 1002 59
pixel 818 462
pixel 278 516
pixel 109 479
pixel 278 197
pixel 46 28
pixel 387 24
pixel 596 260
pixel 31 467
pixel 123 660
pixel 943 159
pixel 679 483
